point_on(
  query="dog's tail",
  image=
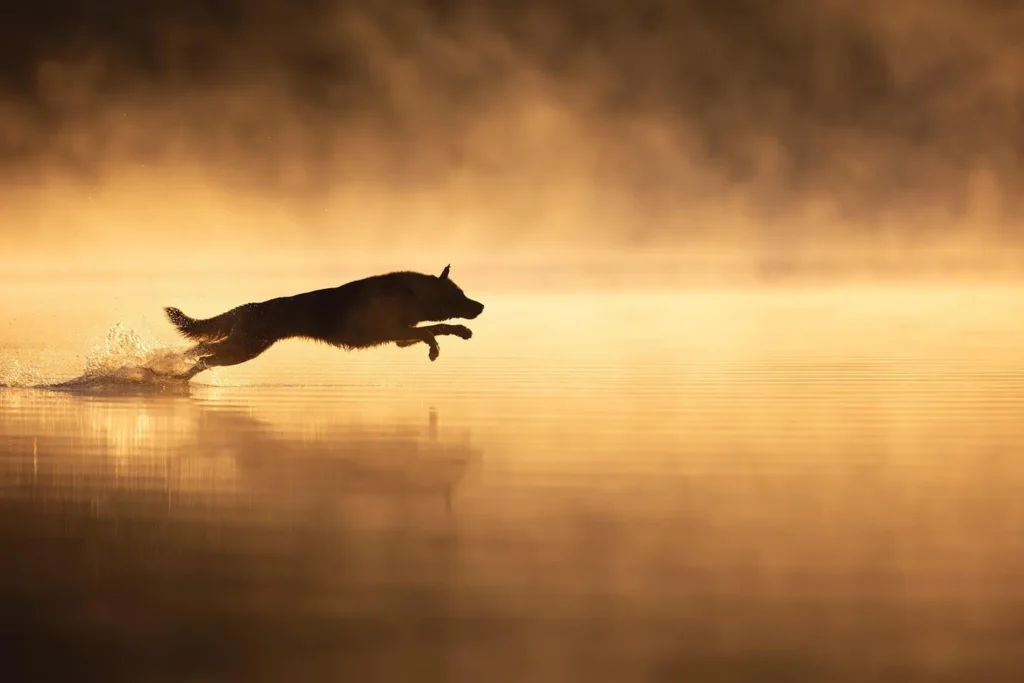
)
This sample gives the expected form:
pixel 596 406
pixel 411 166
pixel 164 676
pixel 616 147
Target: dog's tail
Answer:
pixel 216 327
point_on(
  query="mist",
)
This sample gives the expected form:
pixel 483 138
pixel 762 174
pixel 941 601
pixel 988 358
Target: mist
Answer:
pixel 218 133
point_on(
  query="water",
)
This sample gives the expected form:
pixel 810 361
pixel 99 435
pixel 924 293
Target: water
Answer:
pixel 701 485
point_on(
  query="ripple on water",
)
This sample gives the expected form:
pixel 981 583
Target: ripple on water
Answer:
pixel 809 497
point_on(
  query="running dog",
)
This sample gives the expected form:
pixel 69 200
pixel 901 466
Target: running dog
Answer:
pixel 361 314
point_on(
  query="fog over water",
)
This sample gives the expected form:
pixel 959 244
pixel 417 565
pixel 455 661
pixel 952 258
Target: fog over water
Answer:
pixel 176 133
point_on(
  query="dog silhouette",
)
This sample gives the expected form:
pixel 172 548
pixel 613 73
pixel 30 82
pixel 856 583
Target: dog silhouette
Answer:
pixel 361 314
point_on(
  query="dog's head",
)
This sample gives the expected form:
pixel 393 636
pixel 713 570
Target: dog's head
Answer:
pixel 442 299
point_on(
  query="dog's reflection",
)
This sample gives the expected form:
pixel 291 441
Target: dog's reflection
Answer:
pixel 151 517
pixel 342 460
pixel 58 446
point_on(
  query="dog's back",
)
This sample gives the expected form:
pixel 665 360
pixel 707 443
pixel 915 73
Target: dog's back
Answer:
pixel 315 314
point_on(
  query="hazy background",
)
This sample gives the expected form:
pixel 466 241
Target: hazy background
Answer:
pixel 748 482
pixel 229 134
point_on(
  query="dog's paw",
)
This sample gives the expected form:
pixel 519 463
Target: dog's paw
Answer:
pixel 434 353
pixel 462 332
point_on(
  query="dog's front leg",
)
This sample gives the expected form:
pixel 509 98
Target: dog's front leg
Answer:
pixel 460 331
pixel 414 335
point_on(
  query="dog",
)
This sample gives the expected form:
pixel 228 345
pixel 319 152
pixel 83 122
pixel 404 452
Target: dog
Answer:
pixel 365 313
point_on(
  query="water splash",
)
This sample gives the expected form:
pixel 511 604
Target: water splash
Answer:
pixel 123 360
pixel 15 373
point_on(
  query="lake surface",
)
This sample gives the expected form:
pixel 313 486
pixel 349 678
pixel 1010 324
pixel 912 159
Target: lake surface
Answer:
pixel 701 485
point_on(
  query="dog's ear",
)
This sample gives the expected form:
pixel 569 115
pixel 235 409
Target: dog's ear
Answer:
pixel 444 273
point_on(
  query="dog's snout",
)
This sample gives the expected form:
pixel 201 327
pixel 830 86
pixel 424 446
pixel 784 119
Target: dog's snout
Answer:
pixel 475 309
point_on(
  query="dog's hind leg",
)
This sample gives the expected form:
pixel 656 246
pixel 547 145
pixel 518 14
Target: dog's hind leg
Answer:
pixel 199 352
pixel 193 371
pixel 232 350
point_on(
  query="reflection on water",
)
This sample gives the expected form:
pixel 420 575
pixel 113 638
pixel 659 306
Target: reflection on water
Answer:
pixel 185 450
pixel 163 534
pixel 730 488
